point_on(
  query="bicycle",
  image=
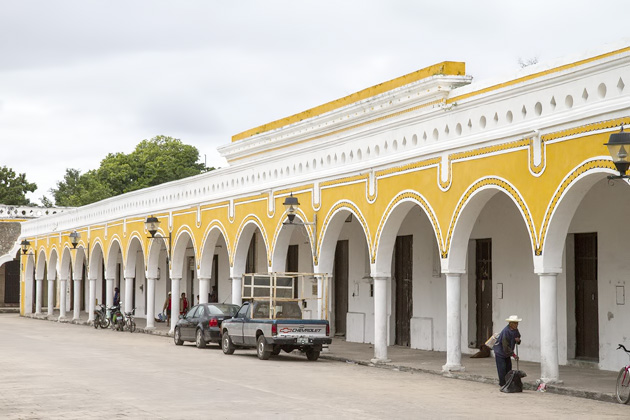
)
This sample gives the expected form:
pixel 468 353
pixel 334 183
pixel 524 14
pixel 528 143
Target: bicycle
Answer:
pixel 130 324
pixel 623 380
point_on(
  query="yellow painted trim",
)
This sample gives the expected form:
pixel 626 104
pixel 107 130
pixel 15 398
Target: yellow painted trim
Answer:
pixel 450 68
pixel 501 185
pixel 588 166
pixel 418 200
pixel 341 130
pixel 537 75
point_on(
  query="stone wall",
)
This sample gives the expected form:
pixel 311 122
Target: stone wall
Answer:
pixel 9 233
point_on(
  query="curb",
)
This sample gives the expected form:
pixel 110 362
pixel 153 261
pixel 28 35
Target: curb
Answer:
pixel 530 386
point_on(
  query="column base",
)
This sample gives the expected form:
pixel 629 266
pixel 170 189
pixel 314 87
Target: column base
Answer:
pixel 149 328
pixel 453 368
pixel 62 319
pixel 380 361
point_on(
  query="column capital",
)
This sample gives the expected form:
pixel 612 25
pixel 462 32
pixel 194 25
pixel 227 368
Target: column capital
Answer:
pixel 551 272
pixel 204 278
pixel 176 278
pixel 92 279
pixel 454 273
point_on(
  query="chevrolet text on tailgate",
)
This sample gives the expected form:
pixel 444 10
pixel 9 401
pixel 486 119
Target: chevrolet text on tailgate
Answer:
pixel 277 314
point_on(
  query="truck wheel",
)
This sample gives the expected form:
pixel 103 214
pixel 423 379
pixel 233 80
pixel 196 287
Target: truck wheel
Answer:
pixel 276 350
pixel 177 337
pixel 312 355
pixel 262 349
pixel 201 343
pixel 226 344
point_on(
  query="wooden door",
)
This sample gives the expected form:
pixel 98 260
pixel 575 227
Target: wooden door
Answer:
pixel 403 280
pixel 483 289
pixel 292 265
pixel 250 262
pixel 215 279
pixel 12 281
pixel 586 299
pixel 341 286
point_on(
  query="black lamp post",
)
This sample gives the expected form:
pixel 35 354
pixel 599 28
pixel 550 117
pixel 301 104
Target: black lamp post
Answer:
pixel 25 244
pixel 74 239
pixel 619 149
pixel 291 204
pixel 152 225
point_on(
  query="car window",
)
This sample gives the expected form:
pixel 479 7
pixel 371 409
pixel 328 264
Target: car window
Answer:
pixel 191 312
pixel 261 310
pixel 199 312
pixel 243 311
pixel 222 309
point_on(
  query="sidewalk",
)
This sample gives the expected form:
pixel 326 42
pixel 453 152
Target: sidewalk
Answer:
pixel 578 381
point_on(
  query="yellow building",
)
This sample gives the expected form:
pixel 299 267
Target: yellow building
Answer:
pixel 440 206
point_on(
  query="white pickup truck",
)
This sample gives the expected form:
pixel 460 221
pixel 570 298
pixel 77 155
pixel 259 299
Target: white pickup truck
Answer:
pixel 272 324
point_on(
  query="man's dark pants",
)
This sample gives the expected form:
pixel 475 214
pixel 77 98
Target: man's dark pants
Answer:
pixel 504 365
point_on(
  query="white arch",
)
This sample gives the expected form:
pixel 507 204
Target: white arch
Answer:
pixel 391 222
pixel 330 234
pixel 211 238
pixel 567 199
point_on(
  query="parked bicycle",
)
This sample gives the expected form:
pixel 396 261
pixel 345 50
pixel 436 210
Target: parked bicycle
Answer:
pixel 623 380
pixel 129 322
pixel 100 317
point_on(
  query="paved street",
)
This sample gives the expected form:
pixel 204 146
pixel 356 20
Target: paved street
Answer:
pixel 52 370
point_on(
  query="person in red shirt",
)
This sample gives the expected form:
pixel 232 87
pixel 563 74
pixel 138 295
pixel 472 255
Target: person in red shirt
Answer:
pixel 183 304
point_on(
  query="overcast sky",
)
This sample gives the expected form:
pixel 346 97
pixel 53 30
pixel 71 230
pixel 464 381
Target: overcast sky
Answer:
pixel 80 79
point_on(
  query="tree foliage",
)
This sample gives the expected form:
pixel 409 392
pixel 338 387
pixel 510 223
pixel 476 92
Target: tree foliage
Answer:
pixel 152 162
pixel 13 188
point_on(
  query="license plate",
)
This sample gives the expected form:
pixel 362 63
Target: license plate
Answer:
pixel 302 340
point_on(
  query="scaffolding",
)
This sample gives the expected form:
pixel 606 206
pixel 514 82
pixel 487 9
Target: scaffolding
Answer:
pixel 287 295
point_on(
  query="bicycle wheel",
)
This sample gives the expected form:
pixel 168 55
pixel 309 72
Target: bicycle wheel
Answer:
pixel 132 326
pixel 623 386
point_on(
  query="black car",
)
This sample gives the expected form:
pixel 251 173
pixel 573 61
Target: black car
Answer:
pixel 202 323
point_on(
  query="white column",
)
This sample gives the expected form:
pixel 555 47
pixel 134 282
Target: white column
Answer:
pixel 77 300
pixel 91 300
pixel 237 296
pixel 380 320
pixel 174 302
pixel 151 304
pixel 51 296
pixel 129 294
pixel 453 323
pixel 549 371
pixel 204 289
pixel 109 292
pixel 38 296
pixel 320 295
pixel 62 299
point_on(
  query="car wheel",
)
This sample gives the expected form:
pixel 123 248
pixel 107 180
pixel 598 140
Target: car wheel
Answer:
pixel 312 355
pixel 201 343
pixel 226 344
pixel 262 349
pixel 177 337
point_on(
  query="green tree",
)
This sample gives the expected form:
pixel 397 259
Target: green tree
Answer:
pixel 13 188
pixel 152 162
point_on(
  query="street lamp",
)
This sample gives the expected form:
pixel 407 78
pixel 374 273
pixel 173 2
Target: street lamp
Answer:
pixel 25 244
pixel 291 205
pixel 619 149
pixel 152 225
pixel 74 239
